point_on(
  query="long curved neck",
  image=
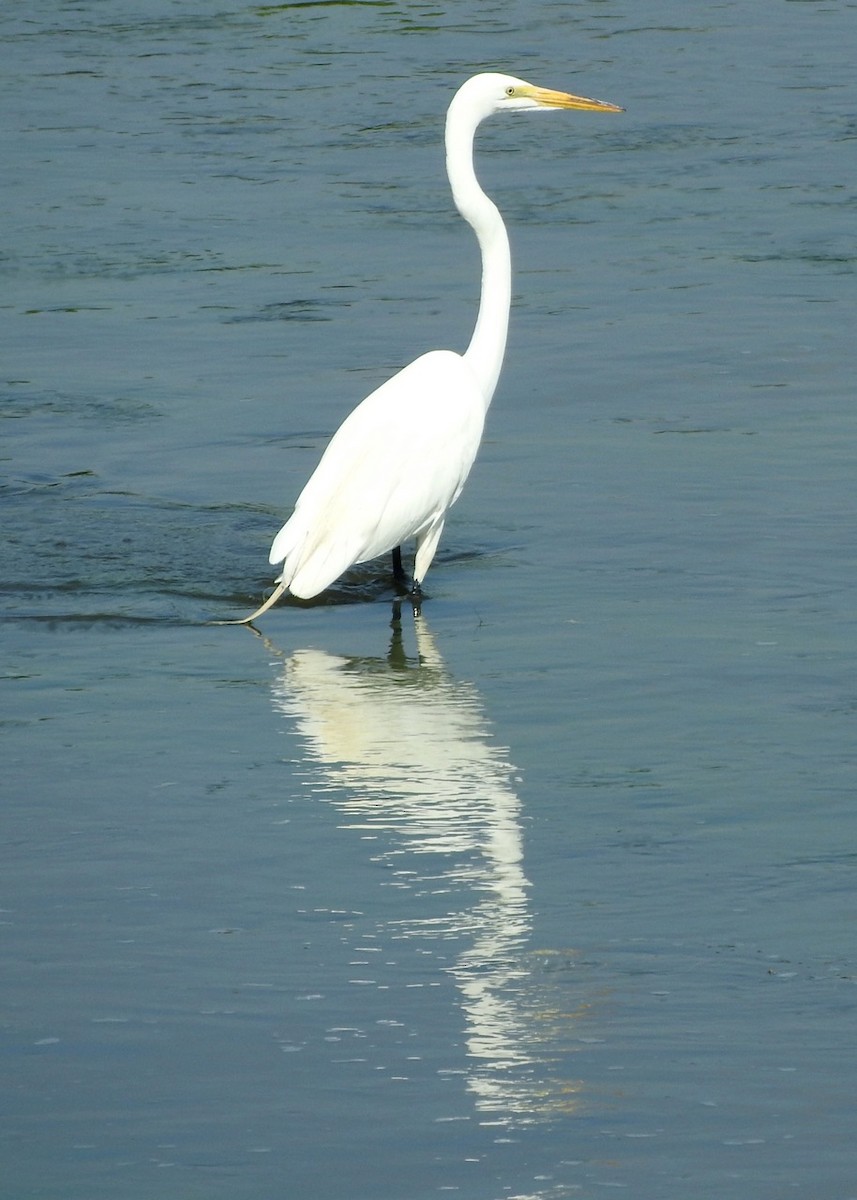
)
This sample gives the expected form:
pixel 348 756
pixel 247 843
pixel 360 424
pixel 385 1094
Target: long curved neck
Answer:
pixel 488 344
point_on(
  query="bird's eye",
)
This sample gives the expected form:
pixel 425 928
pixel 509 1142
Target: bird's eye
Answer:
pixel 510 91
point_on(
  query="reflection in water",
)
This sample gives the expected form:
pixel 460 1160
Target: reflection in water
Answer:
pixel 405 751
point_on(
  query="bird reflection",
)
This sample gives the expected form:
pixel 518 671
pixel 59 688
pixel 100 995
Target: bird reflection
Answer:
pixel 404 750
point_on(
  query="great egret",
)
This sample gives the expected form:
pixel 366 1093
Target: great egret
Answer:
pixel 398 462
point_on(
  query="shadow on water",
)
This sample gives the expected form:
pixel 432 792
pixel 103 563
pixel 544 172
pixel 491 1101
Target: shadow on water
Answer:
pixel 405 755
pixel 76 550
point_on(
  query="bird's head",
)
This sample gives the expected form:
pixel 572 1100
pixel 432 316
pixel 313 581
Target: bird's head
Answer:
pixel 490 93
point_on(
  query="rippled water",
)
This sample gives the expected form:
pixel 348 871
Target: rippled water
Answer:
pixel 552 890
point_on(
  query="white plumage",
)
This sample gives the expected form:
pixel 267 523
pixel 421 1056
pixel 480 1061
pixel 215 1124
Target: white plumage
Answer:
pixel 380 483
pixel 400 459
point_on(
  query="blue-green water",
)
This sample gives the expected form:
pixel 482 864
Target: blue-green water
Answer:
pixel 553 891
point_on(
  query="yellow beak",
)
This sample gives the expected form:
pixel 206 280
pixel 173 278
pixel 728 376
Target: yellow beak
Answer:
pixel 566 100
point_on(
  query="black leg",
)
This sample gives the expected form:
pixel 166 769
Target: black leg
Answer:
pixel 404 585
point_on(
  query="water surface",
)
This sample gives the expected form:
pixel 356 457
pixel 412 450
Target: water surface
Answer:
pixel 550 891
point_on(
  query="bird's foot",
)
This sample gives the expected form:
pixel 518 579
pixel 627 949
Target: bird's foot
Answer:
pixel 415 595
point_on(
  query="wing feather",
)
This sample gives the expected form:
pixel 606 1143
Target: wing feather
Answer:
pixel 396 464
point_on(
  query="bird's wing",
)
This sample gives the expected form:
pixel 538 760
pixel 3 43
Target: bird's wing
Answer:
pixel 396 463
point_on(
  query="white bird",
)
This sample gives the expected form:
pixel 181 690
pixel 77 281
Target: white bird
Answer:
pixel 398 462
